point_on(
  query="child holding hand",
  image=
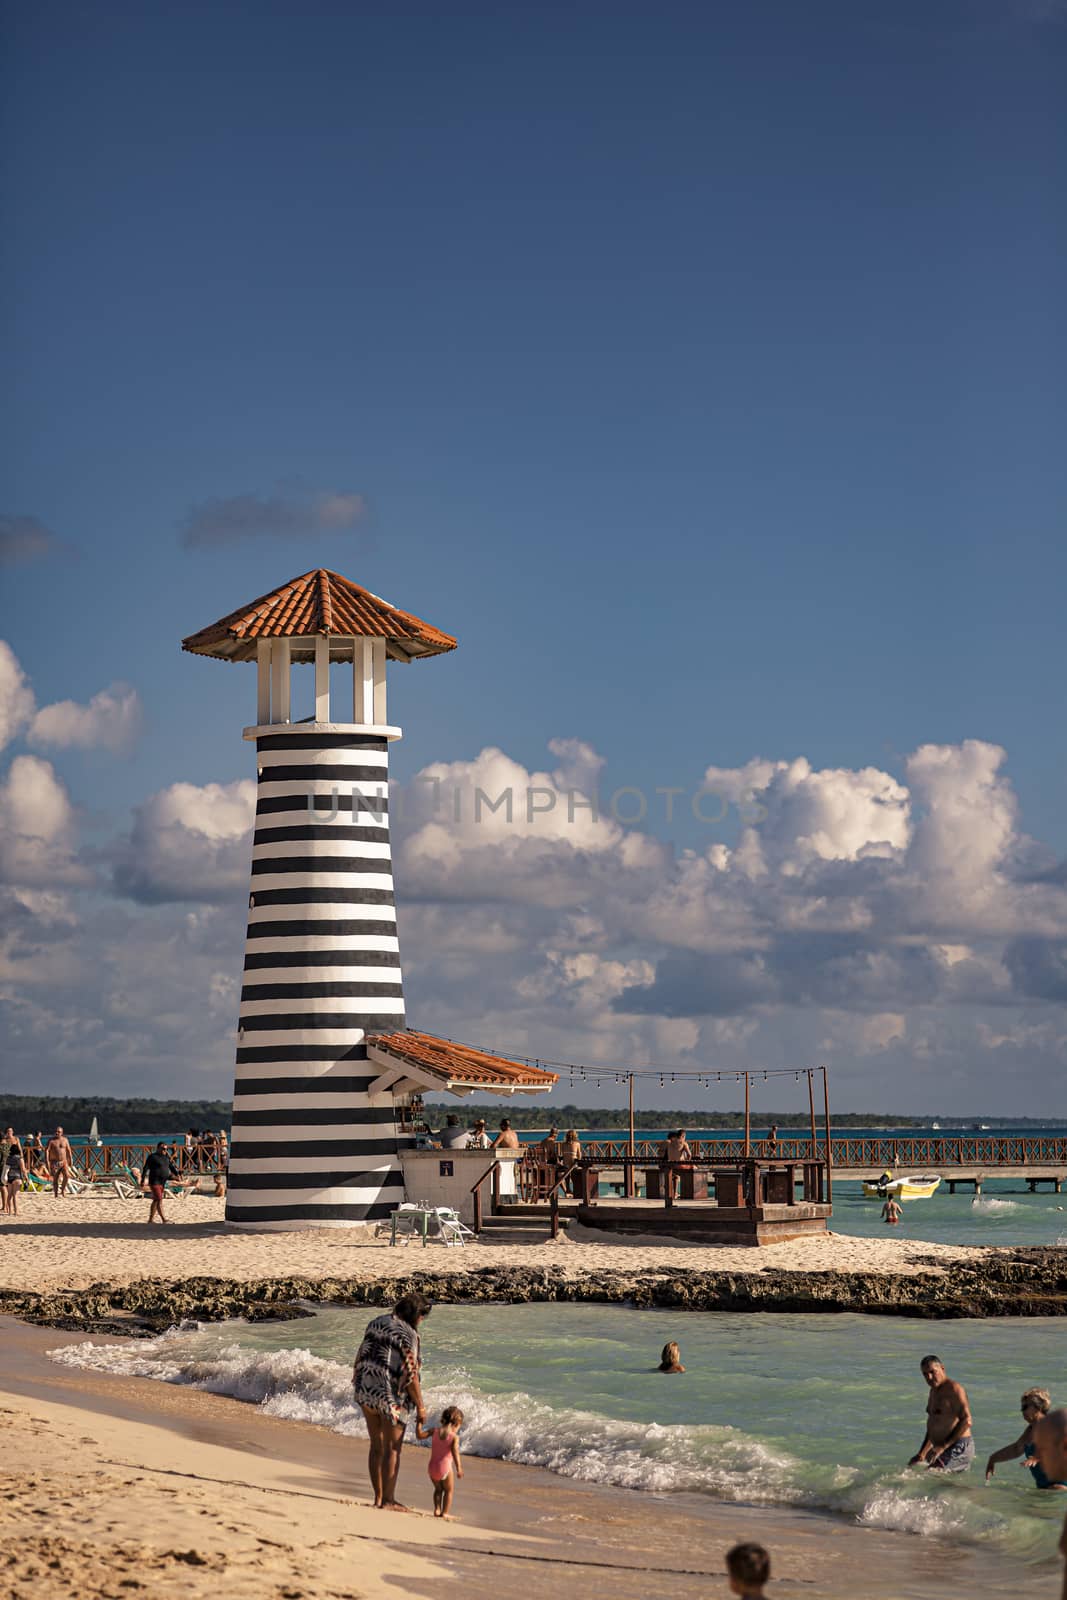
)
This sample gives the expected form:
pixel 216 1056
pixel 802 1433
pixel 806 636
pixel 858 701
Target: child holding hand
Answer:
pixel 445 1465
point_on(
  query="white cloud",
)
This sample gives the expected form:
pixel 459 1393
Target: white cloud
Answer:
pixel 111 721
pixel 37 832
pixel 16 696
pixel 189 842
pixel 493 829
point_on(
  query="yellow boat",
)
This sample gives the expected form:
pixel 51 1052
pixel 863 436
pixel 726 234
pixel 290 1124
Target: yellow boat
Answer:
pixel 916 1186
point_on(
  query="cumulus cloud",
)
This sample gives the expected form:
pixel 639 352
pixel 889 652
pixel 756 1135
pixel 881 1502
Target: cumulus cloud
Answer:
pixel 17 701
pixel 291 512
pixel 37 827
pixel 112 720
pixel 188 842
pixel 865 918
pixel 494 829
pixel 24 539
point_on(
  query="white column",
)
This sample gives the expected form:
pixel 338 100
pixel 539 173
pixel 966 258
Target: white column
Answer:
pixel 365 686
pixel 379 681
pixel 322 678
pixel 263 686
pixel 280 656
pixel 357 679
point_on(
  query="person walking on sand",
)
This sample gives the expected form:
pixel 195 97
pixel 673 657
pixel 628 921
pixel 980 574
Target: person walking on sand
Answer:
pixel 1035 1404
pixel 948 1445
pixel 1050 1446
pixel 670 1358
pixel 155 1175
pixel 59 1159
pixel 386 1385
pixel 891 1212
pixel 445 1466
pixel 12 1173
pixel 748 1567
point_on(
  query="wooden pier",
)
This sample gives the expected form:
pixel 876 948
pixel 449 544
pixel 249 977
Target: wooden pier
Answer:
pixel 965 1162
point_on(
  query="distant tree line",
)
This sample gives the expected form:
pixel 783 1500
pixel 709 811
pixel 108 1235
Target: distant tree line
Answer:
pixel 539 1116
pixel 41 1113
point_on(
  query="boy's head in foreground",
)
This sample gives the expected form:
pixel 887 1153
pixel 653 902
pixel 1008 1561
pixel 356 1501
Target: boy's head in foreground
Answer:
pixel 748 1567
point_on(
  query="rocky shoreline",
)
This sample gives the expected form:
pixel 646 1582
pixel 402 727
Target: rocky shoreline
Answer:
pixel 1009 1283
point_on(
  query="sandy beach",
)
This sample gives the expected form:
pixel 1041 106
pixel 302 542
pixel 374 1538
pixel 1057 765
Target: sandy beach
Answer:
pixel 111 1486
pixel 115 1484
pixel 74 1242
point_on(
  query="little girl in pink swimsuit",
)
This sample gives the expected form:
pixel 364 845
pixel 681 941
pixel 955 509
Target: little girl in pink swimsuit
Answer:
pixel 445 1464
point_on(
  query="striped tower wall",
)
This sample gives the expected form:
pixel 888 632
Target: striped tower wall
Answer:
pixel 322 970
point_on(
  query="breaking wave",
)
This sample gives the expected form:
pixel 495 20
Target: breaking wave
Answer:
pixel 723 1462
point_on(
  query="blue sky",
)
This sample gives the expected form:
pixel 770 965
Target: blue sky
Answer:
pixel 701 368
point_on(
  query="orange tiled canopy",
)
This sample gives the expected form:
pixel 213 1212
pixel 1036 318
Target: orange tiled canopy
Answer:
pixel 461 1064
pixel 319 602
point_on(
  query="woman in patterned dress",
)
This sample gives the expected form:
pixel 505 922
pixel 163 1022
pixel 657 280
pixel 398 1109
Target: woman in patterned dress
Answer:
pixel 385 1380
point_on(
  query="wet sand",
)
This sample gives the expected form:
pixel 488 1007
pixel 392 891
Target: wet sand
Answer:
pixel 114 1484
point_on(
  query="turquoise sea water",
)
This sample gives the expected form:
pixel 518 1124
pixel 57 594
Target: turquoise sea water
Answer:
pixel 1006 1213
pixel 814 1412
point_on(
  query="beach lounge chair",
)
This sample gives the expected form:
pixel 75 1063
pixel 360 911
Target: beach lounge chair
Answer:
pixel 128 1178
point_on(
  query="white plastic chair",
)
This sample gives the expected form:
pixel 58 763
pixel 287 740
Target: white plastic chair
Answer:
pixel 450 1229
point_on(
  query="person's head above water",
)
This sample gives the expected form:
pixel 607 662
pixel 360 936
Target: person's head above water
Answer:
pixel 1036 1401
pixel 670 1359
pixel 748 1567
pixel 933 1370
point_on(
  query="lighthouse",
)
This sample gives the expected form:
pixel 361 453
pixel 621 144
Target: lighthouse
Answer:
pixel 316 1142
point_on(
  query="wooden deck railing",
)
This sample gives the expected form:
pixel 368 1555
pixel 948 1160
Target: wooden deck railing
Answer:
pixel 911 1151
pixel 107 1160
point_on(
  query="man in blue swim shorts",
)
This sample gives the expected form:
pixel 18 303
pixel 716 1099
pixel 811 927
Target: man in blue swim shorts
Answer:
pixel 948 1446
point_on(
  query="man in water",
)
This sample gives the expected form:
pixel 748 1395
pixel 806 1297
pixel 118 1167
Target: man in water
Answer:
pixel 891 1212
pixel 948 1446
pixel 1050 1442
pixel 59 1159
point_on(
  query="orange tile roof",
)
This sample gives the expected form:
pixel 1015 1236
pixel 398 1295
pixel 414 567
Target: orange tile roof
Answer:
pixel 318 602
pixel 461 1063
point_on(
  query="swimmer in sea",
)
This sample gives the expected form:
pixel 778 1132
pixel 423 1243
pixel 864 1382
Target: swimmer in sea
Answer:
pixel 948 1445
pixel 1050 1443
pixel 891 1212
pixel 670 1359
pixel 1035 1404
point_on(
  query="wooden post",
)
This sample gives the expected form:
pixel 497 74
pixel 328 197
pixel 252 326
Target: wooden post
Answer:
pixel 478 1209
pixel 811 1108
pixel 633 1146
pixel 553 1206
pixel 748 1125
pixel 829 1152
pixel 496 1188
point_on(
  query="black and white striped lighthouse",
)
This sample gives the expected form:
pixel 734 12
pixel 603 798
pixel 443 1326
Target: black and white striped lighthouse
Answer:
pixel 310 1146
